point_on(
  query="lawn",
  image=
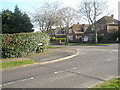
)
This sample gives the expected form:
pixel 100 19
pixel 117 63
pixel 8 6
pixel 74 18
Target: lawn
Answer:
pixel 113 84
pixel 16 63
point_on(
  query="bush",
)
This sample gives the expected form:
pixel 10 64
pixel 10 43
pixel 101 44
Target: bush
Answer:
pixel 58 39
pixel 22 44
pixel 112 36
pixel 102 38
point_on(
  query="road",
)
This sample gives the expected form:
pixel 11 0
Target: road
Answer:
pixel 93 64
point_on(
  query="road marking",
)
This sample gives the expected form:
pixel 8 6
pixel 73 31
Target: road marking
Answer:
pixel 65 70
pixel 59 72
pixel 30 78
pixel 71 69
pixel 74 68
pixel 24 80
pixel 8 83
pixel 108 60
pixel 114 50
pixel 27 79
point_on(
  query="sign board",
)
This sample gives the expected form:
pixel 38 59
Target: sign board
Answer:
pixel 40 44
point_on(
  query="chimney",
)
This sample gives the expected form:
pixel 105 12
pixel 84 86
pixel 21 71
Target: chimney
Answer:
pixel 112 19
pixel 112 15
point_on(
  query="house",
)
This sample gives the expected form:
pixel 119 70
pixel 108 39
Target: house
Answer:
pixel 84 33
pixel 80 33
pixel 107 24
pixel 88 35
pixel 112 27
pixel 75 33
pixel 58 32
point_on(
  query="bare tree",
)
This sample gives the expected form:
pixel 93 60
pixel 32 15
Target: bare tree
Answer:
pixel 46 17
pixel 68 16
pixel 91 10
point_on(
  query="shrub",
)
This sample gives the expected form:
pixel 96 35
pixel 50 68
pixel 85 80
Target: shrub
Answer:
pixel 102 38
pixel 22 44
pixel 112 36
pixel 58 39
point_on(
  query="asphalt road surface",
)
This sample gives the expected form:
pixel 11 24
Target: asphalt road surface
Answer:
pixel 93 64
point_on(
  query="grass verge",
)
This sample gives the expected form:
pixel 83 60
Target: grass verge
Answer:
pixel 52 47
pixel 87 44
pixel 16 63
pixel 113 84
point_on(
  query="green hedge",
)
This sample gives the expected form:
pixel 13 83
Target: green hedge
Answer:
pixel 58 39
pixel 22 44
pixel 108 37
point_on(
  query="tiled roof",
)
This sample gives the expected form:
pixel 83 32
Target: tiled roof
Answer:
pixel 107 20
pixel 77 27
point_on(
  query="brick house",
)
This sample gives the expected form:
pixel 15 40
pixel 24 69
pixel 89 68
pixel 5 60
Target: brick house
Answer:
pixel 58 32
pixel 107 24
pixel 112 27
pixel 80 33
pixel 84 33
pixel 88 35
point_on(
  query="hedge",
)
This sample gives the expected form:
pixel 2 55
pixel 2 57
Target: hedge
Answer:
pixel 58 39
pixel 22 44
pixel 108 37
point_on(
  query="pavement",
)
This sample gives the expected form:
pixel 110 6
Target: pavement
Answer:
pixel 48 55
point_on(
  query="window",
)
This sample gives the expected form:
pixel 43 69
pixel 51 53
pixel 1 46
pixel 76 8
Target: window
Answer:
pixel 70 37
pixel 70 30
pixel 85 38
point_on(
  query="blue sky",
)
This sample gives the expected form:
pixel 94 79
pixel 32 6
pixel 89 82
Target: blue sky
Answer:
pixel 24 6
pixel 29 5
